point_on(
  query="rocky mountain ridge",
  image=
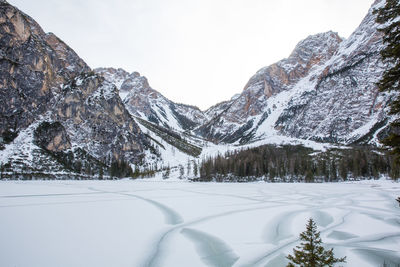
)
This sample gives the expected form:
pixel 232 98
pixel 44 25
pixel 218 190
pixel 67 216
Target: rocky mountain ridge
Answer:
pixel 230 125
pixel 53 107
pixel 325 91
pixel 57 113
pixel 148 104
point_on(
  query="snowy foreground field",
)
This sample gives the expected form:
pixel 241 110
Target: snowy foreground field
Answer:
pixel 149 223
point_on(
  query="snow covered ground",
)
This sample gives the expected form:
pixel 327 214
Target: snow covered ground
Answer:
pixel 154 223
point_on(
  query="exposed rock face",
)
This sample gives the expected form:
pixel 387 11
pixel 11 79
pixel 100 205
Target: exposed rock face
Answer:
pixel 32 65
pixel 325 91
pixel 47 89
pixel 344 104
pixel 146 103
pixel 51 101
pixel 52 137
pixel 269 81
pixel 96 119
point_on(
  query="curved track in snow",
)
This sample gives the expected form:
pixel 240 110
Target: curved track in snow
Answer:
pixel 254 224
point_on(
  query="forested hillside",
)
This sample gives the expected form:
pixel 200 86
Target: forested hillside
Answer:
pixel 297 163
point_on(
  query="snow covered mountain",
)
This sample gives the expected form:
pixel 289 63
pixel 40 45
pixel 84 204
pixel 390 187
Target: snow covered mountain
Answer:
pixel 325 91
pixel 244 114
pixel 56 112
pixel 148 104
pixel 57 115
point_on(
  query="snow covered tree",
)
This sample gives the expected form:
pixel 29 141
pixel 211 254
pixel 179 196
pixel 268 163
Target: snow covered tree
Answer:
pixel 310 252
pixel 166 173
pixel 181 171
pixel 189 167
pixel 389 17
pixel 195 169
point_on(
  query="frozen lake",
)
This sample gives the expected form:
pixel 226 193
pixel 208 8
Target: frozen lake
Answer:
pixel 150 223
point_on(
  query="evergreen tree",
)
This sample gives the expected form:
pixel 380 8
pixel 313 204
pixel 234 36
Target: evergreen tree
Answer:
pixel 309 178
pixel 181 171
pixel 101 173
pixel 167 173
pixel 310 252
pixel 189 168
pixel 113 169
pixel 388 15
pixel 195 169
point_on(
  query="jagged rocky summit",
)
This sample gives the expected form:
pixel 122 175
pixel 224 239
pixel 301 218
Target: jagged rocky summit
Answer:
pixel 58 115
pixel 54 109
pixel 144 102
pixel 325 91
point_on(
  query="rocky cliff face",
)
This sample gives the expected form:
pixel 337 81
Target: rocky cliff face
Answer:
pixel 325 91
pixel 56 113
pixel 32 66
pixel 229 125
pixel 344 105
pixel 97 120
pixel 146 103
pixel 44 82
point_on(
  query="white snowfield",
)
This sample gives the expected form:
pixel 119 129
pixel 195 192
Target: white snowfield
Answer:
pixel 155 223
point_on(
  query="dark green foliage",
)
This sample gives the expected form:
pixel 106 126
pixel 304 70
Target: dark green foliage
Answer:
pixel 146 173
pixel 101 173
pixel 239 134
pixel 78 161
pixel 120 169
pixel 154 140
pixel 297 163
pixel 9 135
pixel 310 252
pixel 388 16
pixel 166 173
pixel 195 169
pixel 172 138
pixel 385 264
pixel 371 133
pixel 186 123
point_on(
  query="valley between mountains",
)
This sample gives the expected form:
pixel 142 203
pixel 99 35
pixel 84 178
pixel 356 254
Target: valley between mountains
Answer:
pixel 97 168
pixel 59 118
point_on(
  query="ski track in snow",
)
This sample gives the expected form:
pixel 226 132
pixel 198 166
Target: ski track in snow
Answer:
pixel 280 229
pixel 334 210
pixel 213 251
pixel 171 216
pixel 155 257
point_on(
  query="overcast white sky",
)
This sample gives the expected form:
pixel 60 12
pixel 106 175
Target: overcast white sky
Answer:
pixel 197 52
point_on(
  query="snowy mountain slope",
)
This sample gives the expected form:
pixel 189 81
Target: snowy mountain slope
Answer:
pixel 56 109
pixel 344 104
pixel 238 116
pixel 33 65
pixel 53 107
pixel 143 101
pixel 171 149
pixel 325 91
